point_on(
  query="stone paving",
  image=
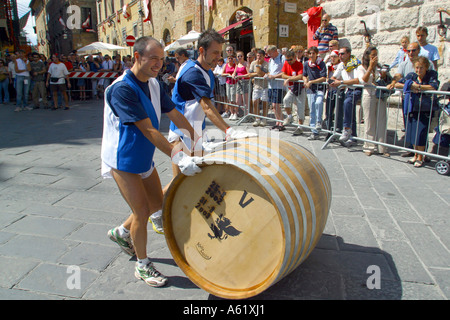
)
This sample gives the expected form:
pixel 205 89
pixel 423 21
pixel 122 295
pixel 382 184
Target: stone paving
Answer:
pixel 55 211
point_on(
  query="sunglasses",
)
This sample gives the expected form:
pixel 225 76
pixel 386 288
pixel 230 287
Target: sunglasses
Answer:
pixel 342 53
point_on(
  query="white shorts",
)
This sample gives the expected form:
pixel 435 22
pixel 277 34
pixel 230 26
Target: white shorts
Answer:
pixel 106 171
pixel 260 94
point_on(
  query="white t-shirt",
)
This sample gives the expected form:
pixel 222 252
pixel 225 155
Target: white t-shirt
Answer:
pixel 22 66
pixel 58 70
pixel 108 65
pixel 341 73
pixel 12 69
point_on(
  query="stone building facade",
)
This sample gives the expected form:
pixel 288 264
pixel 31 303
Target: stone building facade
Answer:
pixel 388 21
pixel 174 18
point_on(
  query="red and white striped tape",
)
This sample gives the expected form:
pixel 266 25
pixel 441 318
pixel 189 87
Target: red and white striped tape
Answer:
pixel 94 75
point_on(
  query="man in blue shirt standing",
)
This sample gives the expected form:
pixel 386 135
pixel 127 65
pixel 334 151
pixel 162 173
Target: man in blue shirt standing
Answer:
pixel 133 107
pixel 427 50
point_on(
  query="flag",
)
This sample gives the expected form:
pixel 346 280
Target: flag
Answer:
pixel 147 10
pixel 125 11
pixel 208 4
pixel 312 17
pixel 87 24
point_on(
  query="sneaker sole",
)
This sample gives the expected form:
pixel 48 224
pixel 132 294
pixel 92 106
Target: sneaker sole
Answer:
pixel 155 228
pixel 130 252
pixel 154 284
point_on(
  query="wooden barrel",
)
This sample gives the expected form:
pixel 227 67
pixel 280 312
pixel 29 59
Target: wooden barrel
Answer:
pixel 253 214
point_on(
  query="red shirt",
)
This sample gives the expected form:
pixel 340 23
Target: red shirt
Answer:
pixel 289 69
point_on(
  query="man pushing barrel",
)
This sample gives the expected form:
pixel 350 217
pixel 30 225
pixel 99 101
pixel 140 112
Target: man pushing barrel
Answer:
pixel 133 107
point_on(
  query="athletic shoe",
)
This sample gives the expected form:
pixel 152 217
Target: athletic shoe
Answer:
pixel 157 224
pixel 318 126
pixel 256 123
pixel 313 136
pixel 345 135
pixel 263 123
pixel 17 109
pixel 298 132
pixel 150 275
pixel 124 243
pixel 225 115
pixel 288 120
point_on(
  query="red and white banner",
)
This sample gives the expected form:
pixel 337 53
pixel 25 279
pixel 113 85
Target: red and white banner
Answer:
pixel 147 10
pixel 87 24
pixel 126 11
pixel 93 75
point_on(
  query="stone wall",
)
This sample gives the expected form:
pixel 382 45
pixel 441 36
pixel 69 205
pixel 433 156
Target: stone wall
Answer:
pixel 388 21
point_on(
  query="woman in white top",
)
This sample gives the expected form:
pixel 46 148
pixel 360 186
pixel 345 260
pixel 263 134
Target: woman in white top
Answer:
pixel 57 72
pixel 374 109
pixel 220 89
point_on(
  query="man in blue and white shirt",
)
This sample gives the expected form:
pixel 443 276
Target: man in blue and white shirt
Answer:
pixel 133 107
pixel 193 96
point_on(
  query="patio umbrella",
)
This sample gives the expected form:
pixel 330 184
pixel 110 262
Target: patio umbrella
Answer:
pixel 99 46
pixel 192 36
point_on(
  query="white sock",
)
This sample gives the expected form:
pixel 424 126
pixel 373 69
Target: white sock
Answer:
pixel 123 232
pixel 143 262
pixel 157 214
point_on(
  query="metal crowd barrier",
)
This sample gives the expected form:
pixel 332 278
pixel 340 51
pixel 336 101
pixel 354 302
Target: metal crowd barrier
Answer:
pixel 388 130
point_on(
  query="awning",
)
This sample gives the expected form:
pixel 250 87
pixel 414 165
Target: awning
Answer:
pixel 232 26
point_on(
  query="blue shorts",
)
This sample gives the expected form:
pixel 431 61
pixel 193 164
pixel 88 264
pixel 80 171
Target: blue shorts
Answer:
pixel 276 95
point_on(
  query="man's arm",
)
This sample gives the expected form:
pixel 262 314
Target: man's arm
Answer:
pixel 212 114
pixel 154 136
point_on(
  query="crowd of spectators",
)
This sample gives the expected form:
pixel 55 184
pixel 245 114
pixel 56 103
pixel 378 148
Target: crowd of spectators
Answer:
pixel 32 81
pixel 293 81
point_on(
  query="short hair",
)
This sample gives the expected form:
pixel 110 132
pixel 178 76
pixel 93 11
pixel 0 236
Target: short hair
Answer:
pixel 313 49
pixel 405 37
pixel 298 48
pixel 347 49
pixel 333 43
pixel 261 52
pixel 182 52
pixel 272 48
pixel 141 44
pixel 422 29
pixel 290 53
pixel 424 61
pixel 208 37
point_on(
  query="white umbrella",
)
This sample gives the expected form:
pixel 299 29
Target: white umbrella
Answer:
pixel 192 36
pixel 172 46
pixel 98 46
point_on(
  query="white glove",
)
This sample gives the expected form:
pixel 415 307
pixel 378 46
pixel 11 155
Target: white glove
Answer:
pixel 232 134
pixel 188 165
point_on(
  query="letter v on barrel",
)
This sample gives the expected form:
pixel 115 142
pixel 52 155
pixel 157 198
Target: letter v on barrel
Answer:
pixel 244 204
